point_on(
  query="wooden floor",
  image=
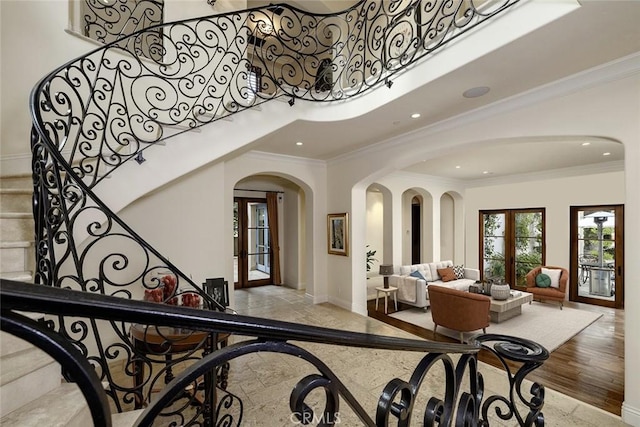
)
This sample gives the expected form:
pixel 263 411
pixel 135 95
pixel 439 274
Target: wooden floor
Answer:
pixel 588 367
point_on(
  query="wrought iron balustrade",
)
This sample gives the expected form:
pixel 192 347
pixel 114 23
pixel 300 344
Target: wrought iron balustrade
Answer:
pixel 95 113
pixel 463 401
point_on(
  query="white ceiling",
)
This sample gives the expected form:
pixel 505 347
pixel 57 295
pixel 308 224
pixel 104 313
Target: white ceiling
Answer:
pixel 598 32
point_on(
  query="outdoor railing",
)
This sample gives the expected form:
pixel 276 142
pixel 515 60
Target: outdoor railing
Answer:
pixel 95 113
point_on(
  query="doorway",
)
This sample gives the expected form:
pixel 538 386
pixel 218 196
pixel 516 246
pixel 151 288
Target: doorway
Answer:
pixel 252 248
pixel 597 254
pixel 511 244
pixel 416 231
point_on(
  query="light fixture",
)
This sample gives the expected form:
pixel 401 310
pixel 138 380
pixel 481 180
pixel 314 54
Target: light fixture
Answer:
pixel 388 82
pixel 584 144
pixel 606 154
pixel 415 115
pixel 299 143
pixel 476 92
pixel 291 102
pixel 458 166
pixel 211 2
pixel 386 270
pixel 138 158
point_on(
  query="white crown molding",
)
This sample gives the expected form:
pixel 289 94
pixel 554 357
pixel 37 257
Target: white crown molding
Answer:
pixel 283 158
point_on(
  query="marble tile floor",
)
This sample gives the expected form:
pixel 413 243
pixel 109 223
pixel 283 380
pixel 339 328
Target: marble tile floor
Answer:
pixel 264 381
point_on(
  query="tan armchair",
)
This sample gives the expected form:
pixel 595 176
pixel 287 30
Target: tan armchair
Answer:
pixel 458 310
pixel 554 294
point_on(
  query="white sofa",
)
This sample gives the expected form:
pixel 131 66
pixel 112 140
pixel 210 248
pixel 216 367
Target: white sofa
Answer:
pixel 413 290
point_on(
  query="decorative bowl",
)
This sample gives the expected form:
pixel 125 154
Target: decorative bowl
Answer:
pixel 500 292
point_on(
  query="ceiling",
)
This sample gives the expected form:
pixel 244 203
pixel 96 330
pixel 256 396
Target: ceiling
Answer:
pixel 596 33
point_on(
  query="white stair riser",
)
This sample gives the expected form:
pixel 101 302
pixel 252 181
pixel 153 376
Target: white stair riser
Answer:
pixel 64 406
pixel 16 229
pixel 18 202
pixel 25 182
pixel 16 259
pixel 28 388
pixel 10 344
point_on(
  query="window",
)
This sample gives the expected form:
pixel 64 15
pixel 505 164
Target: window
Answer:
pixel 254 81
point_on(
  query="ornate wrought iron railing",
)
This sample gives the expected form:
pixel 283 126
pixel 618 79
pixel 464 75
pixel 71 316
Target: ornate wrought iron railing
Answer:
pixel 97 112
pixel 463 401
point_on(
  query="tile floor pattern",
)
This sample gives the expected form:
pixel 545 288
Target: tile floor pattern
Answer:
pixel 264 381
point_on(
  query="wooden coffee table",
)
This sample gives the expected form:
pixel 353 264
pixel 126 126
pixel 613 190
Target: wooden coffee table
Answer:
pixel 502 310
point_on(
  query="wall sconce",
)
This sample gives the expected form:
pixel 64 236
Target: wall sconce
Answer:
pixel 211 2
pixel 386 270
pixel 138 158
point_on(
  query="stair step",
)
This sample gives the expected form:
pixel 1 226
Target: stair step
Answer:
pixel 26 376
pixel 126 419
pixel 16 181
pixel 16 200
pixel 18 276
pixel 64 406
pixel 16 258
pixel 16 227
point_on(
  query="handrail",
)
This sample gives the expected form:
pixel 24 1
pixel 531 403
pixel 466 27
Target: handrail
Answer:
pixel 97 112
pixel 397 398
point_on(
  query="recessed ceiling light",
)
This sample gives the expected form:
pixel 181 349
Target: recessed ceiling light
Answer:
pixel 475 92
pixel 606 154
pixel 485 172
pixel 584 144
pixel 415 115
pixel 298 143
pixel 458 167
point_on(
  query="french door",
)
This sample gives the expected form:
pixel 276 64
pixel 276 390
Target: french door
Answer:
pixel 597 255
pixel 252 249
pixel 511 244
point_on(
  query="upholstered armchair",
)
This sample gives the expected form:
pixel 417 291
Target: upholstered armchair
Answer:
pixel 458 310
pixel 550 292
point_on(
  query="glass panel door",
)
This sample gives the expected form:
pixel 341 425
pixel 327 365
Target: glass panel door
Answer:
pixel 512 244
pixel 528 244
pixel 597 257
pixel 493 253
pixel 252 248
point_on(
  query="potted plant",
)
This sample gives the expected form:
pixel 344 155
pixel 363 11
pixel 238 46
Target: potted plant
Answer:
pixel 370 258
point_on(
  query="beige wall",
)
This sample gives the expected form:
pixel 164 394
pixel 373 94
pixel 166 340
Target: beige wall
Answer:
pixel 555 195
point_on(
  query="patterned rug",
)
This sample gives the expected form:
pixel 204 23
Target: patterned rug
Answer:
pixel 543 323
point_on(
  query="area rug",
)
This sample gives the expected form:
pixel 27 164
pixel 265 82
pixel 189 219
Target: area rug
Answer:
pixel 543 323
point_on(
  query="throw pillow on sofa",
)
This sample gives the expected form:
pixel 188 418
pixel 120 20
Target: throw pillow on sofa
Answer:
pixel 459 270
pixel 543 280
pixel 554 275
pixel 447 274
pixel 417 274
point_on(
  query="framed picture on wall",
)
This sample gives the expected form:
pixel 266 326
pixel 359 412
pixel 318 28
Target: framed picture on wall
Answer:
pixel 338 233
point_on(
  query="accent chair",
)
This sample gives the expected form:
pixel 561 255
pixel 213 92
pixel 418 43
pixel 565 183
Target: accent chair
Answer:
pixel 458 310
pixel 550 292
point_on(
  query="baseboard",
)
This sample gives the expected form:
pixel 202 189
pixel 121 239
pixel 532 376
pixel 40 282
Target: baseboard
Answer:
pixel 630 415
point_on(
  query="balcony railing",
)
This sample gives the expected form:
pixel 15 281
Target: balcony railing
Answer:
pixel 463 402
pixel 95 113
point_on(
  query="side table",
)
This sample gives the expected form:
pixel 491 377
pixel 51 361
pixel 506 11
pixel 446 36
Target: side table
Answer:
pixel 386 291
pixel 168 341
